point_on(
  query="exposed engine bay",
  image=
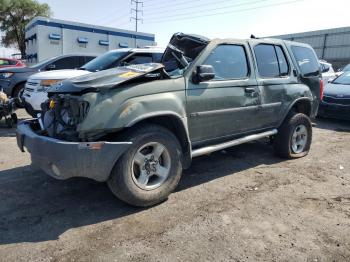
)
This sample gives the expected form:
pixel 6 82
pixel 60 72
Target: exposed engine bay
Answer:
pixel 61 115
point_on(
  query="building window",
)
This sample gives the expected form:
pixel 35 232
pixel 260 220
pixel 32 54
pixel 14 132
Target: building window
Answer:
pixel 104 42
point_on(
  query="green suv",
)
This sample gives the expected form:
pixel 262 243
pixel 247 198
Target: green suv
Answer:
pixel 138 126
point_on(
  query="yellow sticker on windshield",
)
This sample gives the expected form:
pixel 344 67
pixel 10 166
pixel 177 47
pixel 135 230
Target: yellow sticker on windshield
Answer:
pixel 129 74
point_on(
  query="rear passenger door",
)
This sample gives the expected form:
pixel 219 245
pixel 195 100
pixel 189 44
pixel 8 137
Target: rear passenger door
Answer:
pixel 274 77
pixel 227 104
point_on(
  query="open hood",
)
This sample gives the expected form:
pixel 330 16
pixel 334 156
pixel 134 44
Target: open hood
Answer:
pixel 182 50
pixel 109 78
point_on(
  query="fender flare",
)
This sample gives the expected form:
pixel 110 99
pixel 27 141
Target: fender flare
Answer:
pixel 307 99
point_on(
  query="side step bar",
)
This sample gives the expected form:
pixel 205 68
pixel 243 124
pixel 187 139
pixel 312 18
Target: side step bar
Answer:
pixel 210 149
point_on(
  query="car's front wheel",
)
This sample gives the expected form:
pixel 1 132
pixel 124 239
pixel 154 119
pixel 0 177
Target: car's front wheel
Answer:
pixel 150 170
pixel 294 136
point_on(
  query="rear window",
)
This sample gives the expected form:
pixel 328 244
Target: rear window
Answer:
pixel 307 61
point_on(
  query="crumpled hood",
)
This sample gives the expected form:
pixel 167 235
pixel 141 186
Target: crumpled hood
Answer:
pixel 59 74
pixel 108 78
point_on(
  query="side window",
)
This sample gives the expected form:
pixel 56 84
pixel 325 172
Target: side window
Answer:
pixel 271 61
pixel 139 59
pixel 86 59
pixel 307 60
pixel 66 63
pixel 157 57
pixel 282 61
pixel 229 62
pixel 267 60
pixel 4 62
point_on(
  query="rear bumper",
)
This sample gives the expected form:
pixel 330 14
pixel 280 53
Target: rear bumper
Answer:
pixel 63 160
pixel 334 111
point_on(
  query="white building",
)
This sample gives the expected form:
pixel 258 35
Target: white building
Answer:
pixel 46 38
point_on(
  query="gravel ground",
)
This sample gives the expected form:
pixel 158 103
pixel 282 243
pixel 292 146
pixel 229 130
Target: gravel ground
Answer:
pixel 242 204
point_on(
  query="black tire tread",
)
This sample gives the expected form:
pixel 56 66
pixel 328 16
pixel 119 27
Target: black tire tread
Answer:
pixel 123 189
pixel 282 141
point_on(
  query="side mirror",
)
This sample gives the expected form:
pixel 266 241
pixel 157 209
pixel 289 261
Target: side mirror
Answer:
pixel 51 67
pixel 325 69
pixel 204 73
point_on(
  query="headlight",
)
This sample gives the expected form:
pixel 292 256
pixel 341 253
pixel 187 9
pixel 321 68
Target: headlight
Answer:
pixel 5 75
pixel 49 82
pixel 45 84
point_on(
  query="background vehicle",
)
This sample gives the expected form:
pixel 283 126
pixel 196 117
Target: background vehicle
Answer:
pixel 343 70
pixel 136 127
pixel 7 62
pixel 336 99
pixel 12 80
pixel 328 73
pixel 36 86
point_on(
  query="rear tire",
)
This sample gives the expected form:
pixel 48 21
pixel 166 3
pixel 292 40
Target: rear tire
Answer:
pixel 140 179
pixel 294 136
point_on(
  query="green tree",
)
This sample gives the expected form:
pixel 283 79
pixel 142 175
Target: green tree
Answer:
pixel 14 15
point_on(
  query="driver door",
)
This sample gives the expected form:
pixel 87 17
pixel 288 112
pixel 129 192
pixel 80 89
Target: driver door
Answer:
pixel 226 105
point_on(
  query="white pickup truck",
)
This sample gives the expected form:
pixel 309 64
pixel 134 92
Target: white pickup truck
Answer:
pixel 35 89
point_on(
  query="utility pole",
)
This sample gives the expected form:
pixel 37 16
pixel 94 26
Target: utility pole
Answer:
pixel 135 11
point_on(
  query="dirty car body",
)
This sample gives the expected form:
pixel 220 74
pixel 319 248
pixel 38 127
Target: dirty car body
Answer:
pixel 88 117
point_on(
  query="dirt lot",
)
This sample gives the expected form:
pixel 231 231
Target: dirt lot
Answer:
pixel 240 205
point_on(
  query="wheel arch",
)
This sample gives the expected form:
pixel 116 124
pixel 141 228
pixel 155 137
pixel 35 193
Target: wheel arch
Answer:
pixel 16 85
pixel 173 122
pixel 300 105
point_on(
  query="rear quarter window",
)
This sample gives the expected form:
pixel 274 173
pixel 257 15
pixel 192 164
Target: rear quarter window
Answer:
pixel 307 60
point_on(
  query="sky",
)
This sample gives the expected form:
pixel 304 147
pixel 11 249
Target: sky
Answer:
pixel 211 18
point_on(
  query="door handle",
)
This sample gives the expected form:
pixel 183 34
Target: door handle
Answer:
pixel 250 90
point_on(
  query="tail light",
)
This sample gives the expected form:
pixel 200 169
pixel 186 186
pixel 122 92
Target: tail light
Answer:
pixel 321 89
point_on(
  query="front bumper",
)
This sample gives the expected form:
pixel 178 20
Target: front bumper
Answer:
pixel 336 111
pixel 63 160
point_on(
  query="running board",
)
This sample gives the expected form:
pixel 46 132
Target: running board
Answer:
pixel 210 149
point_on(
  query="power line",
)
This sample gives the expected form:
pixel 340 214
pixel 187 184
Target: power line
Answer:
pixel 222 13
pixel 211 9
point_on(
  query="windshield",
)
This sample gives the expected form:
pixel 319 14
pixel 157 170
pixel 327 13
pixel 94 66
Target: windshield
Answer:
pixel 347 68
pixel 343 79
pixel 108 60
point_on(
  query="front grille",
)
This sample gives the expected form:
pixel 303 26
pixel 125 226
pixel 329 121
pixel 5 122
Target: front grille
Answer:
pixel 29 89
pixel 32 83
pixel 336 100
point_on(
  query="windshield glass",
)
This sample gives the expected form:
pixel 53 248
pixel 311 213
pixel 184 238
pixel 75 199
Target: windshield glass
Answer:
pixel 108 60
pixel 347 68
pixel 343 79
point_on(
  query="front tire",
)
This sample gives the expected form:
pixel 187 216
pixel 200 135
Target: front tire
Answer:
pixel 294 136
pixel 151 168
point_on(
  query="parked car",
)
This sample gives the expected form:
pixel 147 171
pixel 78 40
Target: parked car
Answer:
pixel 336 99
pixel 344 69
pixel 12 80
pixel 138 126
pixel 8 62
pixel 328 73
pixel 35 89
